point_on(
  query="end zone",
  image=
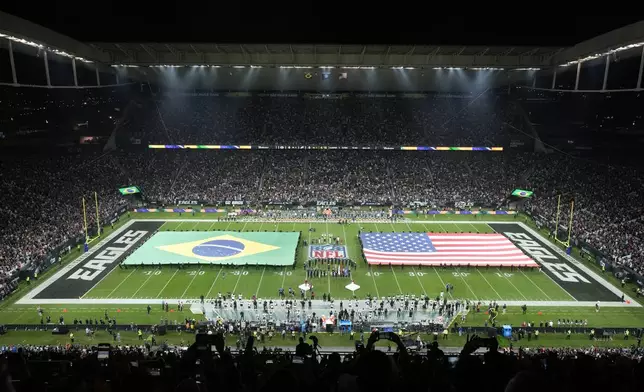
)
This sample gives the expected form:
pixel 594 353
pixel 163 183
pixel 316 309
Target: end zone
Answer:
pixel 82 274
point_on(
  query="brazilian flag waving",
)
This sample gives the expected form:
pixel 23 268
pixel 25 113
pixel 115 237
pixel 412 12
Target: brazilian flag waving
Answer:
pixel 130 190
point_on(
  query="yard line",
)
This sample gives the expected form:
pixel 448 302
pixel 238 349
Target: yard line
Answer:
pixel 260 282
pixel 190 284
pixel 119 285
pixel 346 243
pixel 419 282
pixel 213 282
pixel 167 283
pixel 180 223
pixel 408 226
pixel 468 286
pixel 243 227
pixel 396 278
pixel 213 223
pixel 144 282
pixel 472 224
pixel 374 281
pixel 442 282
pixel 531 281
pixel 515 287
pixel 237 283
pixel 283 276
pixel 489 284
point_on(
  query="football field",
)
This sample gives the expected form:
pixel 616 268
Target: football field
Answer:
pixel 98 279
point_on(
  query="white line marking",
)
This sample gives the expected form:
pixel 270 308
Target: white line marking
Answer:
pixel 213 282
pixel 140 287
pixel 374 281
pixel 442 281
pixel 190 284
pixel 241 273
pixel 515 287
pixel 531 281
pixel 489 284
pixel 166 283
pixel 419 282
pixel 396 278
pixel 260 282
pixel 468 286
pixel 122 281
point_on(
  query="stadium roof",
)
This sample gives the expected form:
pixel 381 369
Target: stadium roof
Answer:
pixel 332 55
pixel 145 53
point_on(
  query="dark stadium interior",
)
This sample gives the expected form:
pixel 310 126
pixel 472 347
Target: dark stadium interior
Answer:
pixel 450 121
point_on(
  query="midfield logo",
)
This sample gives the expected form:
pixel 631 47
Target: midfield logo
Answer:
pixel 220 248
pixel 327 252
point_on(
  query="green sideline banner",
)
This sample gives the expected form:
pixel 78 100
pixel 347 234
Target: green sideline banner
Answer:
pixel 217 247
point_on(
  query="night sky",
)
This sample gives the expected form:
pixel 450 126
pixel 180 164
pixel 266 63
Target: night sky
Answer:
pixel 321 22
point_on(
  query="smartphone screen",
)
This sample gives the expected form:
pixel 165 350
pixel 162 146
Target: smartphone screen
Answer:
pixel 385 335
pixel 103 351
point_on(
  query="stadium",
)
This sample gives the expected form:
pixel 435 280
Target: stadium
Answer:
pixel 170 201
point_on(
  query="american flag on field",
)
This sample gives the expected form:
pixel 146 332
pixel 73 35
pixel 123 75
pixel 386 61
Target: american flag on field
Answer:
pixel 442 248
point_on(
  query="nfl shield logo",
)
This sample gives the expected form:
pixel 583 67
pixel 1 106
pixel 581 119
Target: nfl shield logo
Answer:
pixel 327 252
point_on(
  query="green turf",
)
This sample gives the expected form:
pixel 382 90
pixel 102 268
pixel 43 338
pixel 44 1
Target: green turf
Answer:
pixel 192 282
pixel 325 340
pixel 126 314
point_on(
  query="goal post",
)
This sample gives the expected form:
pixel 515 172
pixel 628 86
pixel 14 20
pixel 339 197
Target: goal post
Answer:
pixel 89 239
pixel 565 242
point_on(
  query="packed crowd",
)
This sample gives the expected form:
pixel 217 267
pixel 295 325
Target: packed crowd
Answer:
pixel 368 368
pixel 41 196
pixel 278 120
pixel 608 199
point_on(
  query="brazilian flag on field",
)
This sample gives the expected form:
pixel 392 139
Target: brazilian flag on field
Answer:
pixel 219 247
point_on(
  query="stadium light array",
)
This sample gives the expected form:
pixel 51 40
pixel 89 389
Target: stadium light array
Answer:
pixel 607 53
pixel 470 68
pixel 323 67
pixel 44 47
